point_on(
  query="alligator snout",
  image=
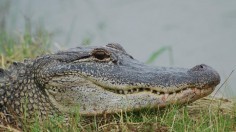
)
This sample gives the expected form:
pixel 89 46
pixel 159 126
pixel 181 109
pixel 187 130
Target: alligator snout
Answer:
pixel 205 73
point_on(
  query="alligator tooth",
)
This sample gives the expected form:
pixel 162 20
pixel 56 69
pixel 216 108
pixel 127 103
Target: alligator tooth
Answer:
pixel 166 95
pixel 131 91
pixel 173 94
pixel 121 91
pixel 125 92
pixel 117 91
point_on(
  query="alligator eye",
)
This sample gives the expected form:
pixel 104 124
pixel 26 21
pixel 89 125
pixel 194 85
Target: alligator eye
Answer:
pixel 100 54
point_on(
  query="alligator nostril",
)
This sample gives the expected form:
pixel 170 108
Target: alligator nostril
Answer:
pixel 199 67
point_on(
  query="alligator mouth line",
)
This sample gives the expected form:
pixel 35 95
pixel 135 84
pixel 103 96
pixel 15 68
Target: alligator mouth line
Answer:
pixel 200 90
pixel 141 90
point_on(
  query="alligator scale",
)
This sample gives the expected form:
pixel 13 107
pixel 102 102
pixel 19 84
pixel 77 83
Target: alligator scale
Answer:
pixel 99 80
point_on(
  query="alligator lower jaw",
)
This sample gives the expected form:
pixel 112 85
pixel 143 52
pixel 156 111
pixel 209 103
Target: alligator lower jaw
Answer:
pixel 185 96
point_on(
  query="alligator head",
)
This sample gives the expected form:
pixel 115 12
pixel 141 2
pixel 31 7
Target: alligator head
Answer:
pixel 107 80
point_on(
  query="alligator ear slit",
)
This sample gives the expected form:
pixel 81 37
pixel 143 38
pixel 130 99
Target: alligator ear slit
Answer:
pixel 84 57
pixel 116 46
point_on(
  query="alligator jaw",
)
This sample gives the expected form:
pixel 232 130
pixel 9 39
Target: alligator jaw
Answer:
pixel 136 101
pixel 95 99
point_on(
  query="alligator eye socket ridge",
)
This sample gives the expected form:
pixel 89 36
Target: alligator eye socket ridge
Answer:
pixel 100 54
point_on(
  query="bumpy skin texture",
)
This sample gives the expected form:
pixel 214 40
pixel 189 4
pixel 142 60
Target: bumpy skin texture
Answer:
pixel 98 80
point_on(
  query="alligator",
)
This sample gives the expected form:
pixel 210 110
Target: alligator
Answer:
pixel 98 80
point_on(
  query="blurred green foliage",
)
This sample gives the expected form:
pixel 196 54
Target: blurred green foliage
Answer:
pixel 160 51
pixel 20 46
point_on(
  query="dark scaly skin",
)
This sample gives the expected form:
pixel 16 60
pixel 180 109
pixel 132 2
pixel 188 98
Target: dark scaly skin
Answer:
pixel 99 80
pixel 21 94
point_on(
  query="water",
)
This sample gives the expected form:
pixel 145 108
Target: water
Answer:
pixel 198 31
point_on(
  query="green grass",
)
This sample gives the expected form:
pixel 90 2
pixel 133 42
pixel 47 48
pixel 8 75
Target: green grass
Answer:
pixel 205 115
